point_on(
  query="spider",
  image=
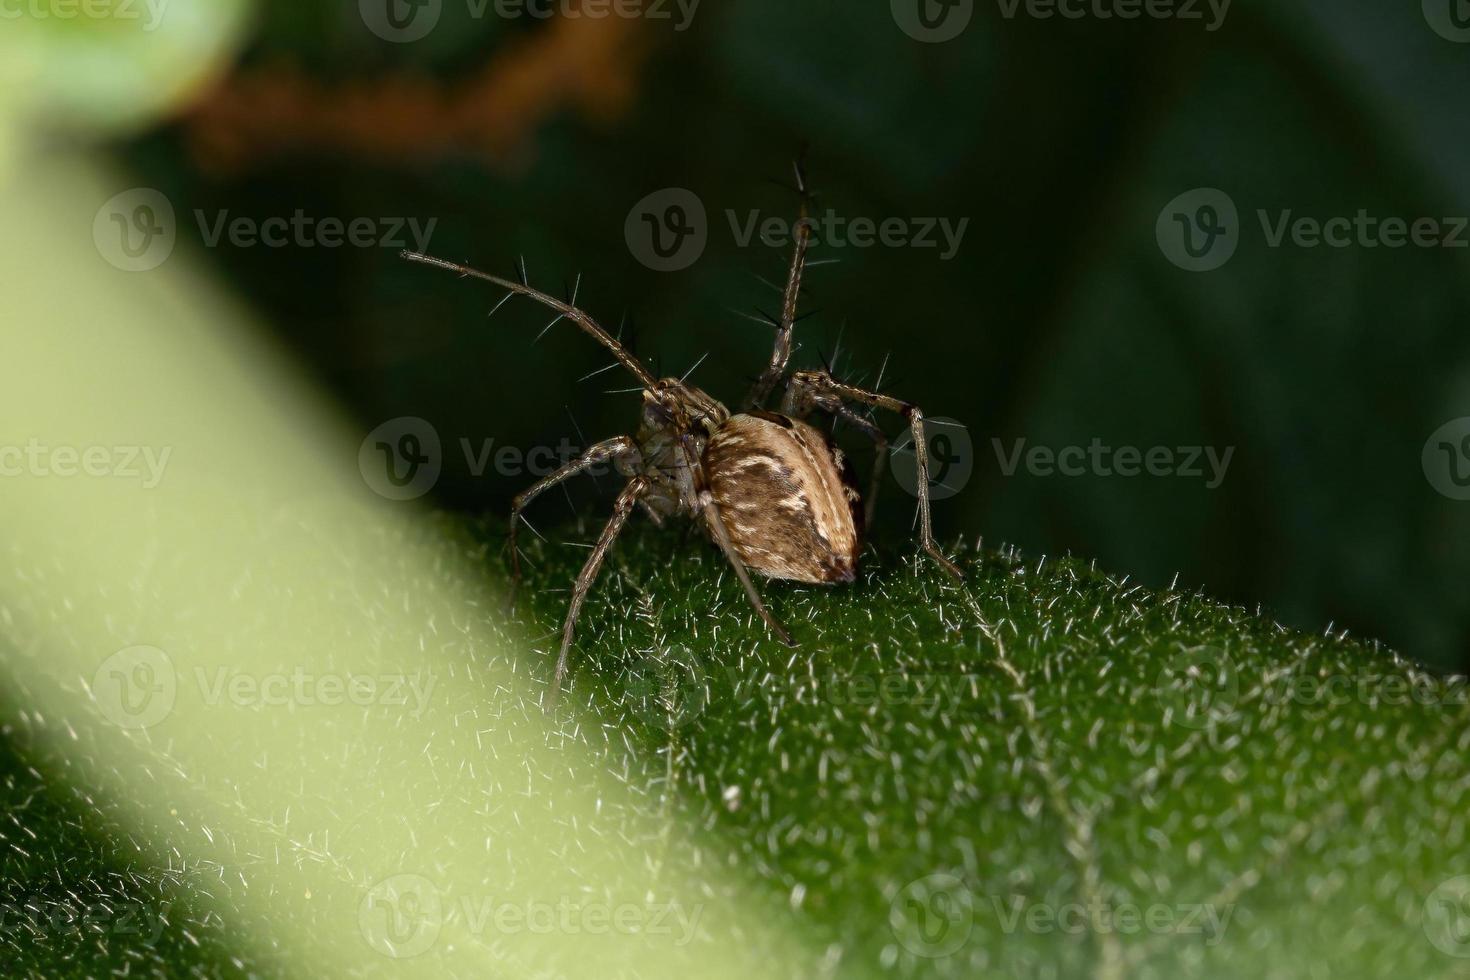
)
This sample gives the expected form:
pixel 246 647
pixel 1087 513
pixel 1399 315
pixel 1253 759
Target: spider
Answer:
pixel 770 490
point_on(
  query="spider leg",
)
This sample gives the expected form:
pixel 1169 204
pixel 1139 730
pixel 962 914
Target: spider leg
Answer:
pixel 833 405
pixel 812 387
pixel 622 510
pixel 653 515
pixel 570 312
pixel 782 350
pixel 617 448
pixel 711 514
pixel 700 501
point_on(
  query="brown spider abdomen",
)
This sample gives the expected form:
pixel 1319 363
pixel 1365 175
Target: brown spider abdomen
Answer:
pixel 784 498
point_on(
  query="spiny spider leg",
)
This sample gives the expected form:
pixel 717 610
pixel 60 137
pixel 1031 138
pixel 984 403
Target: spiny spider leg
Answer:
pixel 808 387
pixel 622 509
pixel 781 354
pixel 704 503
pixel 834 406
pixel 711 514
pixel 577 316
pixel 618 448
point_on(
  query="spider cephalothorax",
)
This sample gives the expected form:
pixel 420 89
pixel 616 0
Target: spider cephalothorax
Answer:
pixel 770 490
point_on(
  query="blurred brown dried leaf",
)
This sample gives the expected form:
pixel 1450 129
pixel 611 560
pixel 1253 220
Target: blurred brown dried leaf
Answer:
pixel 582 64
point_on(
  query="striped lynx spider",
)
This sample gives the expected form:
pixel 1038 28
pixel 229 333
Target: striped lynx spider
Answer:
pixel 769 489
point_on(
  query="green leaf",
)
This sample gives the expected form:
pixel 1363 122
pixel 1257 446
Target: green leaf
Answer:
pixel 1044 771
pixel 1237 798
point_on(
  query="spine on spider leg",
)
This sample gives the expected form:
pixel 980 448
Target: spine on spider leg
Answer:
pixel 790 297
pixel 577 316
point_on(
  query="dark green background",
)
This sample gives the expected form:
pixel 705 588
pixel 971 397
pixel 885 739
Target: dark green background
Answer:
pixel 1059 321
